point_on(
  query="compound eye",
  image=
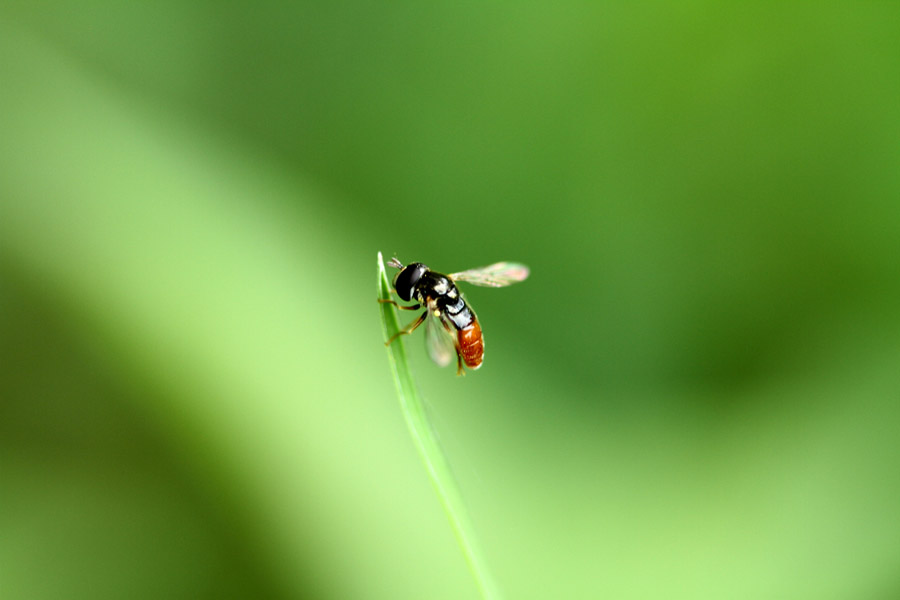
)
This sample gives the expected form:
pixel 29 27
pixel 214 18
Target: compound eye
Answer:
pixel 406 280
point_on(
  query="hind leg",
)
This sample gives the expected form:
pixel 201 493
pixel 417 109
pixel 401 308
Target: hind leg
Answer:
pixel 459 364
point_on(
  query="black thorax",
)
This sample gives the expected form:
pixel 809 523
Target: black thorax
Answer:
pixel 446 296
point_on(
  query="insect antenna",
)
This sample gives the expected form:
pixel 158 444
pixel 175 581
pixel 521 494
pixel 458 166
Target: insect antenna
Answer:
pixel 394 262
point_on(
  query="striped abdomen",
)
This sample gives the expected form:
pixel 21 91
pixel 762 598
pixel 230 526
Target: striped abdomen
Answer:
pixel 440 290
pixel 470 340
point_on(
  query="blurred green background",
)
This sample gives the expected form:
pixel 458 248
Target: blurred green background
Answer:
pixel 694 396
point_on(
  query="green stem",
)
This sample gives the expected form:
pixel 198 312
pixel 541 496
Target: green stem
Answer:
pixel 426 442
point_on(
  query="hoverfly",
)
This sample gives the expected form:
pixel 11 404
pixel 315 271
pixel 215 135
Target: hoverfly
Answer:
pixel 451 325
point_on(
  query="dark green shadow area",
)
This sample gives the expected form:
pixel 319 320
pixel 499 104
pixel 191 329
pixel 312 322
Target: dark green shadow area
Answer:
pixel 98 499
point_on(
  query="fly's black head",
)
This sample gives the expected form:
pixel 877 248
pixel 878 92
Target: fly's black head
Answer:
pixel 406 280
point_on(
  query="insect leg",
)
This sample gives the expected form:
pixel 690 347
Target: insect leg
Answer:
pixel 459 367
pixel 409 329
pixel 400 306
pixel 459 360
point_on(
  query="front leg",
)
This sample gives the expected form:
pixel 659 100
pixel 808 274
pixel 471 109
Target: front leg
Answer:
pixel 400 306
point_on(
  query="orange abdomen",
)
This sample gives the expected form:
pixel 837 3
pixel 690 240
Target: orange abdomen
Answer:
pixel 471 344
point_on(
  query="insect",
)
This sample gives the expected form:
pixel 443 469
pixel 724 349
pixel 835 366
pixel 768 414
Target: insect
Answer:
pixel 451 325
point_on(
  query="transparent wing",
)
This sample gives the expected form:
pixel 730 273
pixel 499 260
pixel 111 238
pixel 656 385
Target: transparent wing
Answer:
pixel 439 341
pixel 496 275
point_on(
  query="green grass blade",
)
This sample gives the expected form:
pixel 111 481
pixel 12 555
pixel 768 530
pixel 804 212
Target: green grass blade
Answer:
pixel 426 442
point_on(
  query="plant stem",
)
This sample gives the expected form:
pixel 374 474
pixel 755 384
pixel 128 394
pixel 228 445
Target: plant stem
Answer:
pixel 426 442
